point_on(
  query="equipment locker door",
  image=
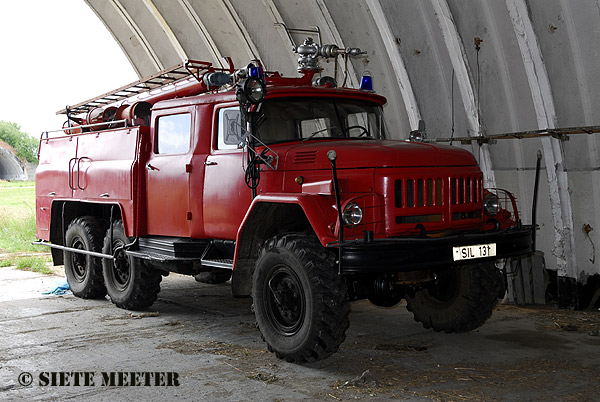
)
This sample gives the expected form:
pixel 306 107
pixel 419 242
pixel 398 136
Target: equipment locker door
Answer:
pixel 55 179
pixel 167 172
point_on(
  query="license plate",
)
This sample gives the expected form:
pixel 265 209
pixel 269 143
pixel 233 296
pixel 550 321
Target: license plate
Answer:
pixel 473 252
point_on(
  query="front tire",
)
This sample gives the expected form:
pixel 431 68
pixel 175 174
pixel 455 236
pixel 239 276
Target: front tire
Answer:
pixel 300 302
pixel 130 284
pixel 460 300
pixel 84 272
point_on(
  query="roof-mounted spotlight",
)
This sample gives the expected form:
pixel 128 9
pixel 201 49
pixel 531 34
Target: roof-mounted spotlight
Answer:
pixel 251 90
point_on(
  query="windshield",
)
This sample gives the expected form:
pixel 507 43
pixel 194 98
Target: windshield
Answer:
pixel 316 118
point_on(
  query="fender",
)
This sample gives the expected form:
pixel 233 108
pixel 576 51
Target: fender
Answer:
pixel 64 211
pixel 290 211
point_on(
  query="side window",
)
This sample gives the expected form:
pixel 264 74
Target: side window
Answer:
pixel 229 132
pixel 174 134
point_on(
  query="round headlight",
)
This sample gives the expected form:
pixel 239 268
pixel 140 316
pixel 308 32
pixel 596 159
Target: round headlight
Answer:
pixel 352 214
pixel 255 90
pixel 491 204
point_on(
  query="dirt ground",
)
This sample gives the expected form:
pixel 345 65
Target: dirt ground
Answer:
pixel 209 339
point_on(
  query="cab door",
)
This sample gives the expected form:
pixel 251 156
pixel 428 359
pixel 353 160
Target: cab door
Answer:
pixel 226 197
pixel 168 173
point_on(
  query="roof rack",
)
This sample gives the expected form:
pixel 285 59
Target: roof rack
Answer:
pixel 168 76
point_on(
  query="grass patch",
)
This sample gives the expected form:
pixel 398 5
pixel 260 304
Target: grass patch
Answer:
pixel 17 197
pixel 17 231
pixel 19 184
pixel 35 264
pixel 17 226
pixel 17 216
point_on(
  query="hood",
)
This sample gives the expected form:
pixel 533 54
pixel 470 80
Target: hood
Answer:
pixel 374 153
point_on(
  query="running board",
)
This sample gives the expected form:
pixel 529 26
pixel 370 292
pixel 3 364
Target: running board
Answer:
pixel 222 263
pixel 162 258
pixel 158 257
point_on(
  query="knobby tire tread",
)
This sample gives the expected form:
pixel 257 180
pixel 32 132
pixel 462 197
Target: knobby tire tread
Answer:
pixel 93 228
pixel 472 307
pixel 145 283
pixel 331 308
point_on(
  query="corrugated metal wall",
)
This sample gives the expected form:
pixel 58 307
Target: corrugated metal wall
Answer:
pixel 536 67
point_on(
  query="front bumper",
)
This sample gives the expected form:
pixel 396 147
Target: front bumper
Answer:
pixel 414 254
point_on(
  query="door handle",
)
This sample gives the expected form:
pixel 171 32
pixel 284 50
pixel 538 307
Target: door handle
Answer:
pixel 79 171
pixel 72 162
pixel 150 167
pixel 210 163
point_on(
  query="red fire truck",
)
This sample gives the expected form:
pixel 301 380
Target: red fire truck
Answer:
pixel 288 187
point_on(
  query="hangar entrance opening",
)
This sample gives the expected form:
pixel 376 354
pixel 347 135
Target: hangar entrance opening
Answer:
pixel 11 167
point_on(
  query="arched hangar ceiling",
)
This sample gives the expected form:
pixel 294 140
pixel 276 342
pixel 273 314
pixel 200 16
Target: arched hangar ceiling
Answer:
pixel 465 68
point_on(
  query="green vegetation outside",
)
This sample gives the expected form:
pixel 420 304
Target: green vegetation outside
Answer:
pixel 17 228
pixel 25 145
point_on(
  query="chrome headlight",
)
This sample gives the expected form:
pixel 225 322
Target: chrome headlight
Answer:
pixel 352 214
pixel 491 204
pixel 251 90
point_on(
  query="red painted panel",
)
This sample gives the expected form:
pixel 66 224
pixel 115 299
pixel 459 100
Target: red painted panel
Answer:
pixel 103 170
pixel 226 196
pixel 167 185
pixel 52 178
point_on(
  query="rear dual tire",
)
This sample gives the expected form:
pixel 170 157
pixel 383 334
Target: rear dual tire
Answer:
pixel 84 272
pixel 129 282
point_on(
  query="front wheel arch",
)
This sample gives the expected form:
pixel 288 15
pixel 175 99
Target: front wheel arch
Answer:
pixel 263 221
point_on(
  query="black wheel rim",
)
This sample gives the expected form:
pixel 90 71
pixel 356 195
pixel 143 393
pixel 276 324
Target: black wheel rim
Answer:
pixel 285 300
pixel 78 261
pixel 121 271
pixel 446 287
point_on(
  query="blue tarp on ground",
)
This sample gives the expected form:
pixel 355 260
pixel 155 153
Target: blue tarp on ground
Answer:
pixel 60 287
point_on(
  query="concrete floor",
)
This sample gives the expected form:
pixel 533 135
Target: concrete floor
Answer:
pixel 208 338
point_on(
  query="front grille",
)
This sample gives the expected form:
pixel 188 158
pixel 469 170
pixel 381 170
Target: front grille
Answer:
pixel 465 190
pixel 437 202
pixel 412 193
pixel 401 220
pixel 429 192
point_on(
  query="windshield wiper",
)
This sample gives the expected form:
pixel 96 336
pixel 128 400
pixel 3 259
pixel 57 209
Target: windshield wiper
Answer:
pixel 317 132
